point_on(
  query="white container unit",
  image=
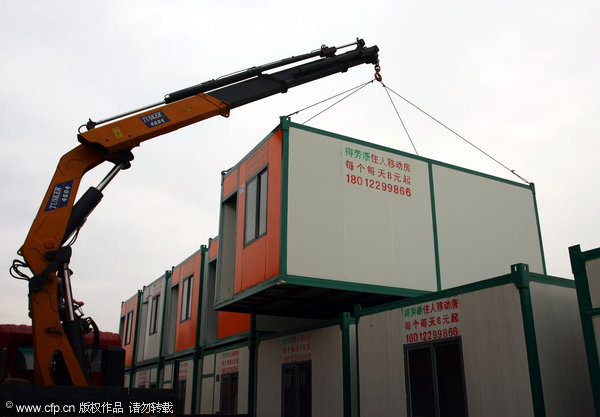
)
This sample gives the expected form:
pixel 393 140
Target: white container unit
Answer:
pixel 331 213
pixel 511 345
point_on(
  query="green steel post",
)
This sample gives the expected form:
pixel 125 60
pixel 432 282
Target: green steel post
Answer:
pixel 135 338
pixel 197 347
pixel 161 358
pixel 520 274
pixel 584 299
pixel 285 167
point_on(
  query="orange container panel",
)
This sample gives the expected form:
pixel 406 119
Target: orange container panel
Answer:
pixel 127 328
pixel 259 260
pixel 187 309
pixel 230 184
pixel 232 323
pixel 213 249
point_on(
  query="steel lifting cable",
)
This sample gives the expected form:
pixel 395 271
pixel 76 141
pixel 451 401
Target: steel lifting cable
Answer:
pixel 400 118
pixel 387 89
pixel 351 90
pixel 378 78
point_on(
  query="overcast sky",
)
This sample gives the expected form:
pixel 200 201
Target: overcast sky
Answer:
pixel 519 79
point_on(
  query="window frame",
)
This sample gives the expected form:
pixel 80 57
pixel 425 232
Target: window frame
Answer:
pixel 128 328
pixel 260 209
pixel 186 298
pixel 153 328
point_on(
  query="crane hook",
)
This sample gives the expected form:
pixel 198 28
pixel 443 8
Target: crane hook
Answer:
pixel 378 76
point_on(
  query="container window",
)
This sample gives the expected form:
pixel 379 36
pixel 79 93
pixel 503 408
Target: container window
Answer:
pixel 128 326
pixel 122 328
pixel 435 380
pixel 186 298
pixel 256 207
pixel 154 314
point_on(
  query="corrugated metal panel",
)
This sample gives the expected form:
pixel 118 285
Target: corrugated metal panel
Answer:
pixel 152 340
pixel 381 361
pixel 593 270
pixel 348 229
pixel 208 365
pixel 563 365
pixel 206 399
pixel 142 328
pixel 484 223
pixel 494 353
pixel 269 378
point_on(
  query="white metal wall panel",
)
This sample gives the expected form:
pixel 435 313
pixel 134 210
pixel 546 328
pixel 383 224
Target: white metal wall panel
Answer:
pixel 593 273
pixel 208 385
pixel 327 373
pixel 151 342
pixel 494 353
pixel 325 352
pixel 483 227
pixel 381 361
pixel 339 228
pixel 561 350
pixel 140 379
pixel 350 213
pixel 141 331
pixel 208 365
pixel 167 373
pixel 153 379
pixel 268 398
pixel 206 398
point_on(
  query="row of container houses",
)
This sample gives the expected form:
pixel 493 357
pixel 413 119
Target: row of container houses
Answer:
pixel 350 279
